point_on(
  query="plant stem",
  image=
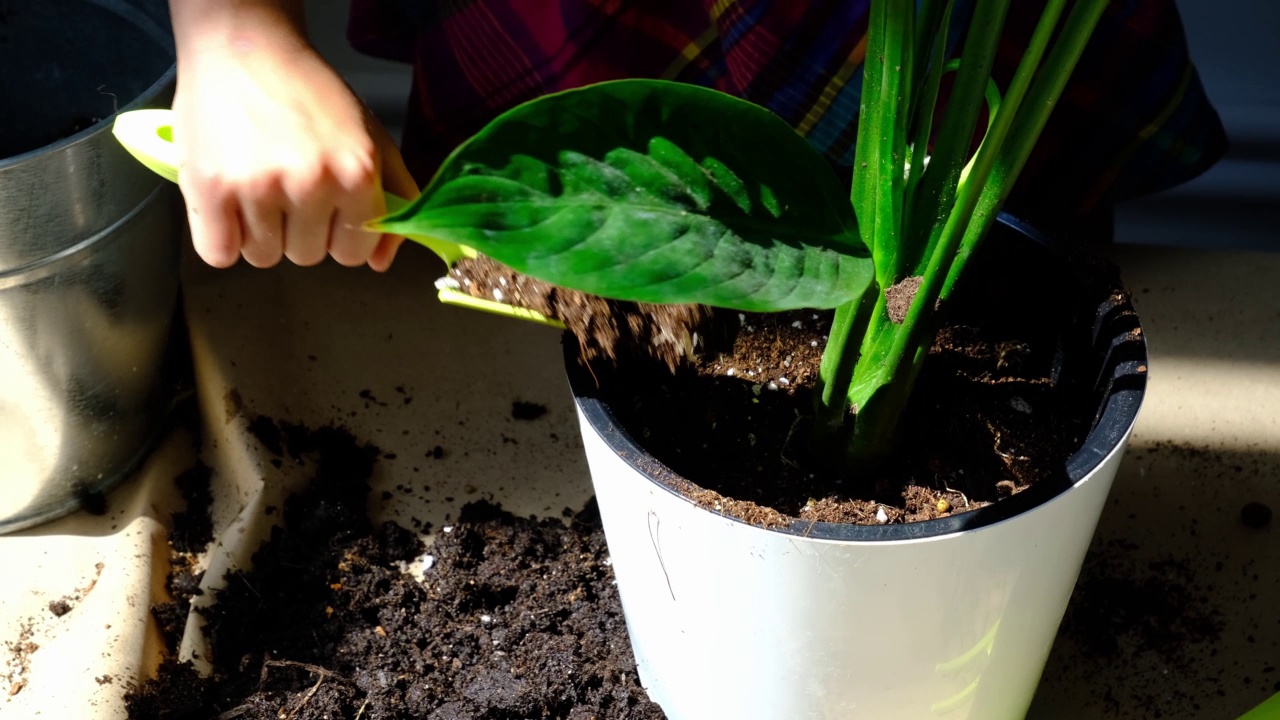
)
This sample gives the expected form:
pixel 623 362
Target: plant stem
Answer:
pixel 837 368
pixel 1041 99
pixel 978 198
pixel 971 189
pixel 937 190
pixel 881 157
pixel 950 205
pixel 872 390
pixel 876 195
pixel 925 103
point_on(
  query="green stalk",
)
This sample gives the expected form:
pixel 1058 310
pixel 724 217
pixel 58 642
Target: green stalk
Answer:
pixel 1042 98
pixel 836 370
pixel 866 159
pixel 953 206
pixel 924 105
pixel 883 395
pixel 877 190
pixel 871 391
pixel 934 14
pixel 878 175
pixel 937 189
pixel 973 186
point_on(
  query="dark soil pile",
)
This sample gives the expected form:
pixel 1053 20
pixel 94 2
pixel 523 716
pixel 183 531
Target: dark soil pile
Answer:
pixel 191 531
pixel 516 618
pixel 1004 399
pixel 192 526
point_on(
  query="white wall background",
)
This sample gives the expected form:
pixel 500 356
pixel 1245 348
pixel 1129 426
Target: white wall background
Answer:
pixel 1236 44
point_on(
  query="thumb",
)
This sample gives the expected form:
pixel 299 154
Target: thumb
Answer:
pixel 397 181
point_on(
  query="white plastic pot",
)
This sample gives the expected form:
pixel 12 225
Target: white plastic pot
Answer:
pixel 950 618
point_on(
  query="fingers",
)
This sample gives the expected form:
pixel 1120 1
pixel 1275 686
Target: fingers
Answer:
pixel 215 223
pixel 385 253
pixel 279 159
pixel 300 206
pixel 312 214
pixel 396 180
pixel 360 200
pixel 310 196
pixel 262 224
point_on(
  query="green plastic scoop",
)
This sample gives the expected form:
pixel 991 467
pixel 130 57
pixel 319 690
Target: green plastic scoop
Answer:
pixel 148 136
pixel 1268 710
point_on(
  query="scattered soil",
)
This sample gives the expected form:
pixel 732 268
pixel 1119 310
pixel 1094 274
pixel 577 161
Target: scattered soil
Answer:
pixel 191 531
pixel 67 603
pixel 1144 614
pixel 898 298
pixel 1122 607
pixel 521 410
pixel 193 527
pixel 513 617
pixel 183 585
pixel 667 333
pixel 370 399
pixel 1256 515
pixel 16 668
pixel 93 502
pixel 232 404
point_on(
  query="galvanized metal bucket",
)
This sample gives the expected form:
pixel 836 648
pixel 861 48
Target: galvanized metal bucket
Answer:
pixel 89 248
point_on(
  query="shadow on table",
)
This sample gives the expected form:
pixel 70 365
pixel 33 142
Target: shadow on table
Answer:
pixel 1174 614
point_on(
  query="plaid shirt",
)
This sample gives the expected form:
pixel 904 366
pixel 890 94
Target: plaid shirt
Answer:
pixel 1133 120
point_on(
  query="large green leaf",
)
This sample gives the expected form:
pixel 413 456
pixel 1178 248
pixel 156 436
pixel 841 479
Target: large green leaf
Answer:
pixel 650 191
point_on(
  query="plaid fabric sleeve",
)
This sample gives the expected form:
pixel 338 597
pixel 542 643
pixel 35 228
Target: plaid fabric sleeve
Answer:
pixel 1134 119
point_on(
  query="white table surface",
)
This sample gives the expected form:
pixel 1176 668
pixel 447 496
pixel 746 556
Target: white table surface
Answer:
pixel 301 345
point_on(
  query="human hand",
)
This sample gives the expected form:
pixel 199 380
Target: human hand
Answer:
pixel 278 158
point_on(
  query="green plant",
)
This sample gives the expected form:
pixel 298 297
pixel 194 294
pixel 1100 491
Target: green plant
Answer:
pixel 1268 710
pixel 661 192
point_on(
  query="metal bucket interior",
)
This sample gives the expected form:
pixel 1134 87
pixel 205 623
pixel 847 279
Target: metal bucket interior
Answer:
pixel 69 64
pixel 89 247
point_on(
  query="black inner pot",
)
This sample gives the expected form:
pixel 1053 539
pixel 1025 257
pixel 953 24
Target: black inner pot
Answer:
pixel 70 64
pixel 1029 265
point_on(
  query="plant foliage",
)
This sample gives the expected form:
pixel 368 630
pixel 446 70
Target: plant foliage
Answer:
pixel 662 192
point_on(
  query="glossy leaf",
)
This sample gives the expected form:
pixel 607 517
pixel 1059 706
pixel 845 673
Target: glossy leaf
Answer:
pixel 651 191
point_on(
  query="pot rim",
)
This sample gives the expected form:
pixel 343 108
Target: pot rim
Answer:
pixel 1122 385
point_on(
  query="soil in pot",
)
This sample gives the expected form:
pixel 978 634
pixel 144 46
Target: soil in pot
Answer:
pixel 512 617
pixel 1004 398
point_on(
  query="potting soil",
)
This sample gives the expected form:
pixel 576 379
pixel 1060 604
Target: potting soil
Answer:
pixel 1005 396
pixel 512 617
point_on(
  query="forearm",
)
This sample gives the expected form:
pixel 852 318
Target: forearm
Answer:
pixel 201 26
